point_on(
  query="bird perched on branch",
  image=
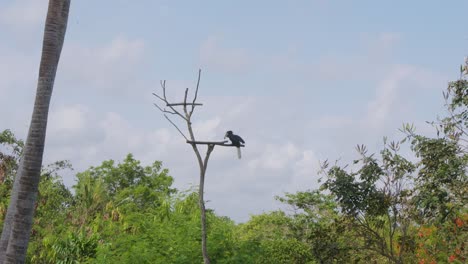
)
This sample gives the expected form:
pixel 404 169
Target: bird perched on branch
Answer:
pixel 235 141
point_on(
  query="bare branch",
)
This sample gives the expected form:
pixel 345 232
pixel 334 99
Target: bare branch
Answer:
pixel 179 114
pixel 163 85
pixel 196 92
pixel 160 98
pixel 164 110
pixel 176 104
pixel 164 99
pixel 185 104
pixel 219 143
pixel 168 119
pixel 185 97
pixel 174 112
pixel 207 142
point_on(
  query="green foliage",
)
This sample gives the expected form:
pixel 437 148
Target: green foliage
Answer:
pixel 441 192
pixel 76 248
pixel 8 140
pixel 125 187
pixel 318 224
pixel 273 236
pixel 129 175
pixel 375 201
pixel 442 179
pixel 442 170
pixel 10 151
pixel 404 211
pixel 52 212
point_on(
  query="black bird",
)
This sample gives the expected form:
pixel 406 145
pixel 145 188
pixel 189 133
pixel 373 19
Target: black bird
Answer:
pixel 235 141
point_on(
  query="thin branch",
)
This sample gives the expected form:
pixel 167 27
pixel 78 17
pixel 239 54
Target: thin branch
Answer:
pixel 219 143
pixel 207 142
pixel 185 104
pixel 160 98
pixel 163 85
pixel 196 92
pixel 179 114
pixel 176 104
pixel 175 126
pixel 164 99
pixel 185 97
pixel 164 110
pixel 188 117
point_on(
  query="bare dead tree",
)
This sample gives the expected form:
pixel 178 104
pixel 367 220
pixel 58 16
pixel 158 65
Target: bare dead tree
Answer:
pixel 186 114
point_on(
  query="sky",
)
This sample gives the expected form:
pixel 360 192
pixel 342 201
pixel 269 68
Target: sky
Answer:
pixel 300 81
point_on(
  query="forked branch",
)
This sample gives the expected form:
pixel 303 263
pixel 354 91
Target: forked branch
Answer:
pixel 163 98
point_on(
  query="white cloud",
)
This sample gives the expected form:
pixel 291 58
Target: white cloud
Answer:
pixel 214 56
pixel 388 39
pixel 333 122
pixel 24 14
pixel 396 93
pixel 71 132
pixel 307 164
pixel 208 129
pixel 305 172
pixel 382 45
pixel 386 95
pixel 369 61
pixel 67 119
pixel 111 66
pixel 87 139
pixel 121 48
pixel 249 185
pixel 20 71
pixel 275 157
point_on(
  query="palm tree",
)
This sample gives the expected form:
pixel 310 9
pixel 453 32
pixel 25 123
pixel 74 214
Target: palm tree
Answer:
pixel 19 218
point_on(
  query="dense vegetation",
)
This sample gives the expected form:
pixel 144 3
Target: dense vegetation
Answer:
pixel 384 208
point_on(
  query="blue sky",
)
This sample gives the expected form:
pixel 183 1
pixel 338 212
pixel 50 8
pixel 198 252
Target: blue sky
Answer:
pixel 300 81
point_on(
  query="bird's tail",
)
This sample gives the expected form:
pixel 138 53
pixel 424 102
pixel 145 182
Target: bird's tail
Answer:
pixel 239 153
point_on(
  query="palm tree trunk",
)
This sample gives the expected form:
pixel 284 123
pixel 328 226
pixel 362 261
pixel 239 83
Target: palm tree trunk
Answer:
pixel 19 219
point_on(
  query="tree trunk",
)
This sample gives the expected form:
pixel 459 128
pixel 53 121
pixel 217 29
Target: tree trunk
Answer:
pixel 201 191
pixel 19 219
pixel 203 164
pixel 201 202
